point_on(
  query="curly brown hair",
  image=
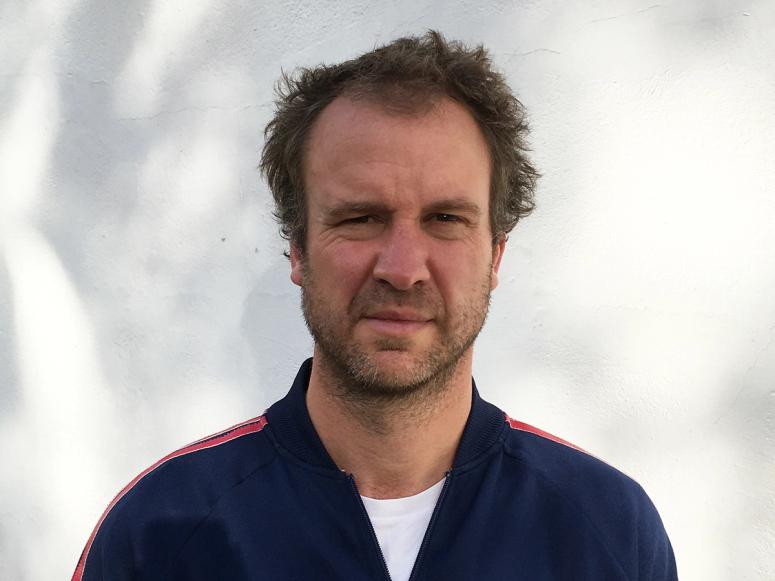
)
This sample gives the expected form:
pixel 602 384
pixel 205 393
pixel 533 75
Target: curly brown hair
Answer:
pixel 406 76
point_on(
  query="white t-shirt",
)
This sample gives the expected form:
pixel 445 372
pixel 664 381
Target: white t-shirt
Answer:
pixel 400 524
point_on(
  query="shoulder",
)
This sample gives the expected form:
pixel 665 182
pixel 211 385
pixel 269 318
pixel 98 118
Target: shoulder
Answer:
pixel 601 501
pixel 560 463
pixel 214 464
pixel 180 488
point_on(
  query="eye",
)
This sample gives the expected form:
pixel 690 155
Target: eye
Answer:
pixel 360 227
pixel 359 220
pixel 451 218
pixel 447 226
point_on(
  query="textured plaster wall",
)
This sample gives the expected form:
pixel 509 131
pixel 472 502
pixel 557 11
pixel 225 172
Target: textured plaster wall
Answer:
pixel 144 299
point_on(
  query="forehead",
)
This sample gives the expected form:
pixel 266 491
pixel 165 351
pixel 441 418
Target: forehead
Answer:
pixel 358 145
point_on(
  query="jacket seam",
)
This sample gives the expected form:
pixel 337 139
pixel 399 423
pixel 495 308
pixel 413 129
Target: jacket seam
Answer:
pixel 174 562
pixel 483 455
pixel 551 485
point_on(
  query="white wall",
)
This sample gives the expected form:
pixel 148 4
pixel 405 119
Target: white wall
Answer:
pixel 144 300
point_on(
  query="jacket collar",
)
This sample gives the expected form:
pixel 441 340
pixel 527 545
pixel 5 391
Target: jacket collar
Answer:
pixel 289 421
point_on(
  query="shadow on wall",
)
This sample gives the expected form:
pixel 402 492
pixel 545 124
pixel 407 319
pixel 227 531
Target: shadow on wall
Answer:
pixel 10 395
pixel 95 308
pixel 273 326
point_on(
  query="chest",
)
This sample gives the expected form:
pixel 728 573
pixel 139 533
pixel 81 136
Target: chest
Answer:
pixel 289 527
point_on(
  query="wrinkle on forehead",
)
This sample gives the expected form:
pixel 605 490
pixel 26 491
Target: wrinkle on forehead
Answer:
pixel 345 122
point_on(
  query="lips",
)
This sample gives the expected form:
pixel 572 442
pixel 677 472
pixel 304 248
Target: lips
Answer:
pixel 398 315
pixel 396 322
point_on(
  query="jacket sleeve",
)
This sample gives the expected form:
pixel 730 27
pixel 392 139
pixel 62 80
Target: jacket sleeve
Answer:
pixel 657 561
pixel 108 553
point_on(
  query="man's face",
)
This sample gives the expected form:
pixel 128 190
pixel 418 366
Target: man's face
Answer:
pixel 399 260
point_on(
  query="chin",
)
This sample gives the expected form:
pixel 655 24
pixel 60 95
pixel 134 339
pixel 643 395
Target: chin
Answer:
pixel 397 364
pixel 398 371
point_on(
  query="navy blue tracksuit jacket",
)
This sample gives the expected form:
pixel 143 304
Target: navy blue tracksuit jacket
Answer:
pixel 264 501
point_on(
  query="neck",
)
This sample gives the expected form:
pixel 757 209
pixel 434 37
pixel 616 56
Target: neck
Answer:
pixel 397 447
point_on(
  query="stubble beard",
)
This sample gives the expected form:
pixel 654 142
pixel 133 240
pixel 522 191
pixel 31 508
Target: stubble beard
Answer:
pixel 359 379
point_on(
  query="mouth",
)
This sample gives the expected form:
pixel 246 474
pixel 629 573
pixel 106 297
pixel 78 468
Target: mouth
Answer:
pixel 394 322
pixel 398 315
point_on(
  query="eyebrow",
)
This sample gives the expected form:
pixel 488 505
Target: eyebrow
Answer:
pixel 349 208
pixel 441 206
pixel 455 205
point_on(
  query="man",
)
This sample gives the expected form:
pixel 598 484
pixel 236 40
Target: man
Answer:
pixel 397 177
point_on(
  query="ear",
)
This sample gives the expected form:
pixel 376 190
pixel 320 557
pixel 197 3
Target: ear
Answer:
pixel 297 268
pixel 497 254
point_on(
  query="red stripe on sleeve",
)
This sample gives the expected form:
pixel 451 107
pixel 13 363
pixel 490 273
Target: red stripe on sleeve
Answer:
pixel 522 426
pixel 249 427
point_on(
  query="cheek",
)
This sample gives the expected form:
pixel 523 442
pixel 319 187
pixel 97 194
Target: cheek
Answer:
pixel 461 265
pixel 464 282
pixel 342 270
pixel 351 260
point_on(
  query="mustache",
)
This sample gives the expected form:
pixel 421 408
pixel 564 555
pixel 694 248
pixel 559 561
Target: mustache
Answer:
pixel 379 298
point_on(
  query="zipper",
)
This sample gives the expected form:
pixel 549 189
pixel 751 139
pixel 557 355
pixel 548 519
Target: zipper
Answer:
pixel 434 518
pixel 371 526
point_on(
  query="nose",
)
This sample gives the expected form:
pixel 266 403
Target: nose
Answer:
pixel 402 261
